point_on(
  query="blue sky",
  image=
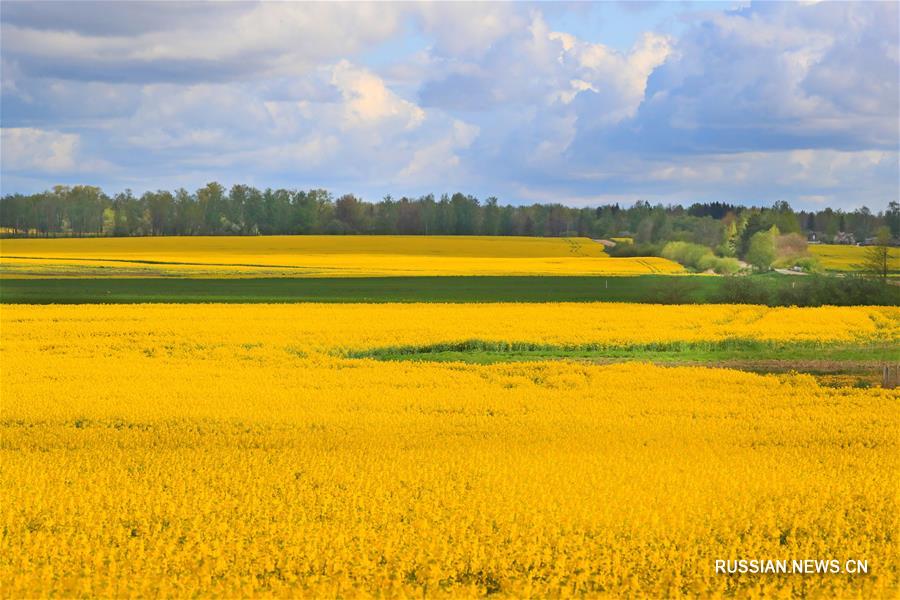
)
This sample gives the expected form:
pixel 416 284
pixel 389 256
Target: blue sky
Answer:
pixel 580 103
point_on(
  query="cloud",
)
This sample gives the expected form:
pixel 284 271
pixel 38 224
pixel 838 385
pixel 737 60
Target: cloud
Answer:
pixel 848 178
pixel 758 103
pixel 770 77
pixel 528 94
pixel 335 121
pixel 611 84
pixel 25 148
pixel 439 160
pixel 184 43
pixel 367 100
pixel 110 18
pixel 467 30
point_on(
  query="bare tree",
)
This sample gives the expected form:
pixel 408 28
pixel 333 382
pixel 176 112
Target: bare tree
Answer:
pixel 878 259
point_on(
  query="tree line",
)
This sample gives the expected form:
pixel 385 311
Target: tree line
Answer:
pixel 83 210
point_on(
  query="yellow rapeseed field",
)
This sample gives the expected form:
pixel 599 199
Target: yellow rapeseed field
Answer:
pixel 316 256
pixel 232 451
pixel 841 257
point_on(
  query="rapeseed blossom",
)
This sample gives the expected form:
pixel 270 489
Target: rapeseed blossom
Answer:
pixel 235 451
pixel 317 256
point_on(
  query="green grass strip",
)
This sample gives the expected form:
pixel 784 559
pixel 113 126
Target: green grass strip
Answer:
pixel 487 352
pixel 648 288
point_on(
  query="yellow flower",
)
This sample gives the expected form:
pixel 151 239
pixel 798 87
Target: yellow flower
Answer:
pixel 317 256
pixel 190 450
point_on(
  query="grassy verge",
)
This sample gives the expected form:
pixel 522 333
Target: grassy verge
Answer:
pixel 833 365
pixel 487 352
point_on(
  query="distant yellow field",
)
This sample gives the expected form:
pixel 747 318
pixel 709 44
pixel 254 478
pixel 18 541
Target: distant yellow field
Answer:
pixel 623 240
pixel 841 257
pixel 317 256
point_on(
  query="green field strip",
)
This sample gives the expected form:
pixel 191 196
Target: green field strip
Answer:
pixel 802 356
pixel 647 288
pixel 774 290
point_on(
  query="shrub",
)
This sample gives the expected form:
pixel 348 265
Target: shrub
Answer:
pixel 678 291
pixel 685 253
pixel 707 262
pixel 628 250
pixel 726 265
pixel 791 245
pixel 808 291
pixel 699 257
pixel 743 290
pixel 810 264
pixel 762 250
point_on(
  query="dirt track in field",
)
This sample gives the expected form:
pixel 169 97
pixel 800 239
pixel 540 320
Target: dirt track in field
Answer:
pixel 832 373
